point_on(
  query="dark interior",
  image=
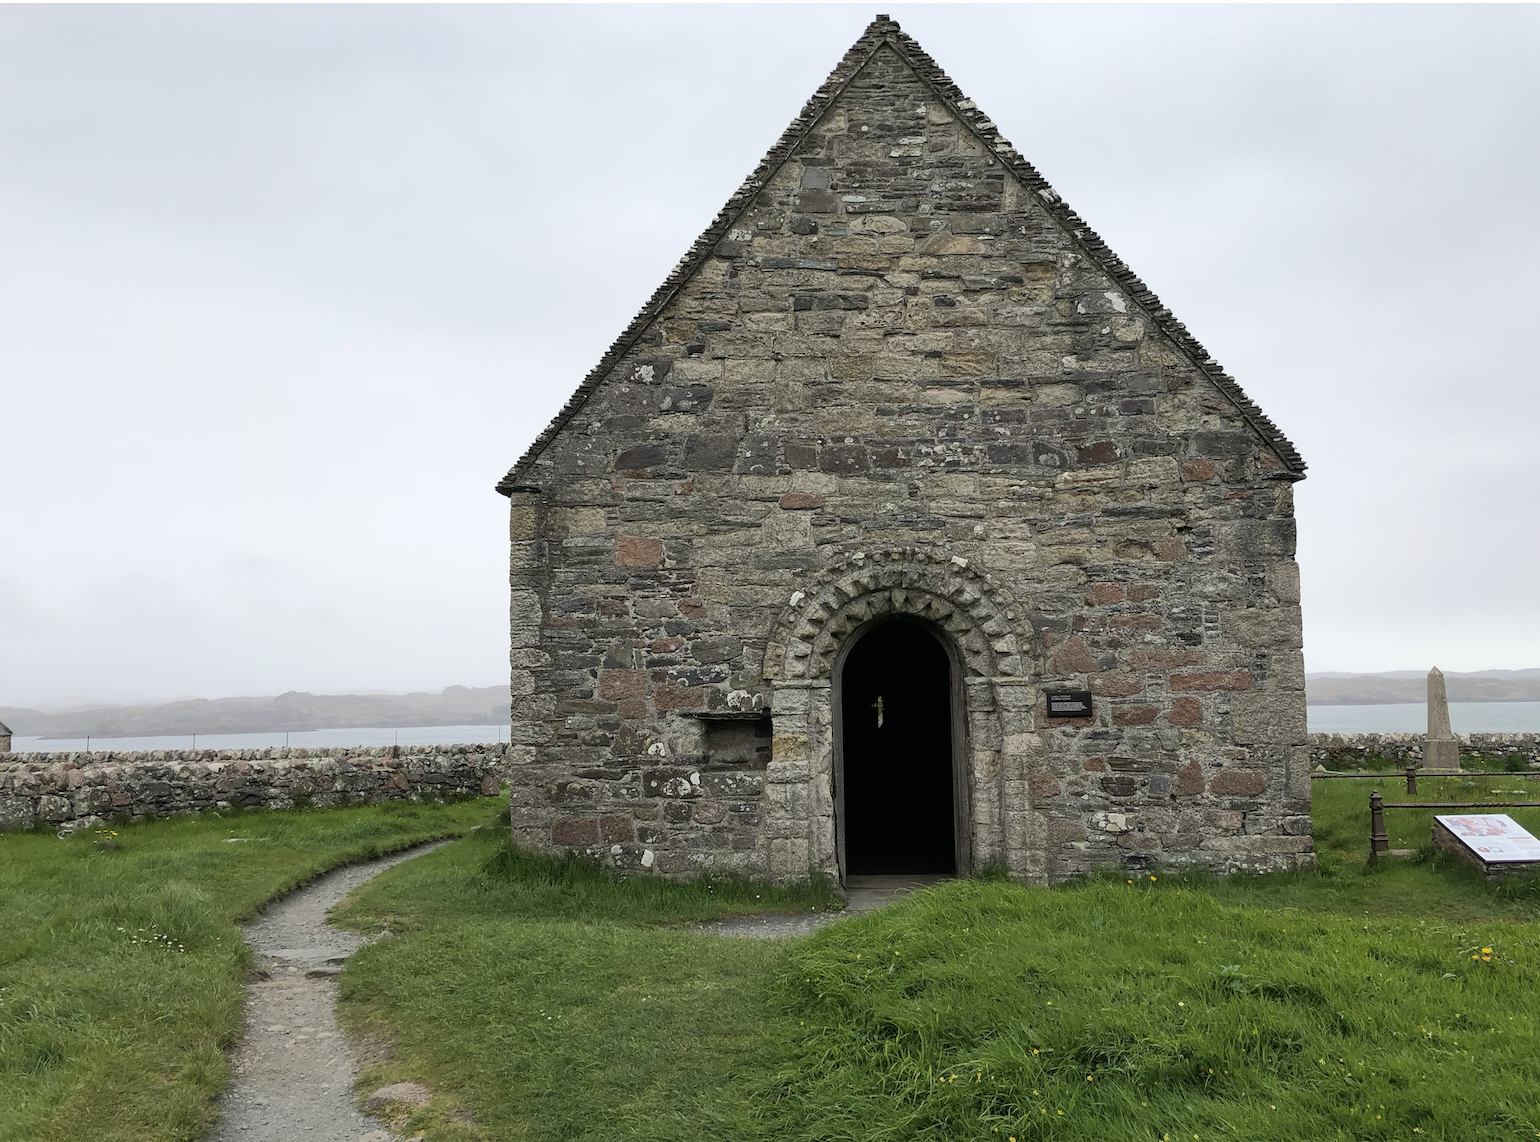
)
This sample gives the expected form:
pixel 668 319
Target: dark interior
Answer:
pixel 897 774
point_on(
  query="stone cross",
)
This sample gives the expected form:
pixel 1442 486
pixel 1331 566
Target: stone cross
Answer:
pixel 1440 750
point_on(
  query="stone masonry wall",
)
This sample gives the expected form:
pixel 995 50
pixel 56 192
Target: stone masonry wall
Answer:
pixel 78 790
pixel 1408 747
pixel 898 384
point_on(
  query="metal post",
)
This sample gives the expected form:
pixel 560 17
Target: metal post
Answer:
pixel 1379 842
pixel 1411 780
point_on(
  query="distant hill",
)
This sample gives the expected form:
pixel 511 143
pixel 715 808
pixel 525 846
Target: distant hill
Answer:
pixel 488 706
pixel 1412 686
pixel 454 706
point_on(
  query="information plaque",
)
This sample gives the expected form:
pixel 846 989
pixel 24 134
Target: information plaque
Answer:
pixel 1069 703
pixel 1494 837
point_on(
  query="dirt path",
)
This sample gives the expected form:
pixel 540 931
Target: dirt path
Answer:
pixel 294 1070
pixel 862 894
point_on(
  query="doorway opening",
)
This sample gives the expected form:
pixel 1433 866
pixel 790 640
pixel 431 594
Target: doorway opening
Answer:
pixel 897 780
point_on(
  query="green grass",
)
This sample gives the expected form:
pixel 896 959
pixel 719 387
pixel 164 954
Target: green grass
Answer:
pixel 490 879
pixel 1344 761
pixel 1513 762
pixel 545 1001
pixel 555 1001
pixel 1135 1010
pixel 1421 886
pixel 121 970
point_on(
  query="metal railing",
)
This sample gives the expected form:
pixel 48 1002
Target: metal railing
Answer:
pixel 1379 839
pixel 1412 771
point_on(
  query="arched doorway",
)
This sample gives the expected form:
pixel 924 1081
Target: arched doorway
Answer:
pixel 897 783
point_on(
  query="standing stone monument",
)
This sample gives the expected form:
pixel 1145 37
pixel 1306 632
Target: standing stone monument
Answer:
pixel 1440 750
pixel 5 738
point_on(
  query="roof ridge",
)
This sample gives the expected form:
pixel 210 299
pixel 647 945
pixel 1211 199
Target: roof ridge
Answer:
pixel 884 31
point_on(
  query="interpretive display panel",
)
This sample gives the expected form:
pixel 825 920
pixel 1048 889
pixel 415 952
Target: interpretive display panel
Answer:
pixel 1494 837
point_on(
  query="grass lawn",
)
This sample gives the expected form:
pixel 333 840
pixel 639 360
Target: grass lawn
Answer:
pixel 121 970
pixel 552 1001
pixel 547 1002
pixel 542 999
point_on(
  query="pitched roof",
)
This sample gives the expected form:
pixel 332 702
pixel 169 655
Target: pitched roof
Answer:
pixel 879 33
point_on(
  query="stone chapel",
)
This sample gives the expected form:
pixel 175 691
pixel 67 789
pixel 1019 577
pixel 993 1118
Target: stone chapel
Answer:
pixel 906 531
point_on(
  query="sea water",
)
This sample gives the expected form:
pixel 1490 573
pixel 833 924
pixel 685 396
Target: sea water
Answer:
pixel 1396 718
pixel 1412 718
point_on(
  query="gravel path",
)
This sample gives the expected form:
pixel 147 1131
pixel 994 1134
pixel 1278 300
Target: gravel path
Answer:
pixel 768 926
pixel 294 1070
pixel 862 894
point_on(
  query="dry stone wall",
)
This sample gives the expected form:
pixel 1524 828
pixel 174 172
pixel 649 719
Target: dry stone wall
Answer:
pixel 77 790
pixel 1326 749
pixel 899 383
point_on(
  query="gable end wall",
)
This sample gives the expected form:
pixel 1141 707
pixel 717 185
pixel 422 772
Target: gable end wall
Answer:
pixel 898 385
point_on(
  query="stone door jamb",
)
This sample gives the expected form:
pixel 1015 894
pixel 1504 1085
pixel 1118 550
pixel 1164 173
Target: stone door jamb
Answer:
pixel 977 617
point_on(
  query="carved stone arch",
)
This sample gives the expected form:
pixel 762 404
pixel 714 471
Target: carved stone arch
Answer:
pixel 977 613
pixel 979 619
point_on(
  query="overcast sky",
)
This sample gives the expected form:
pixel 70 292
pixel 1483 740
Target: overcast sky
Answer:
pixel 285 290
